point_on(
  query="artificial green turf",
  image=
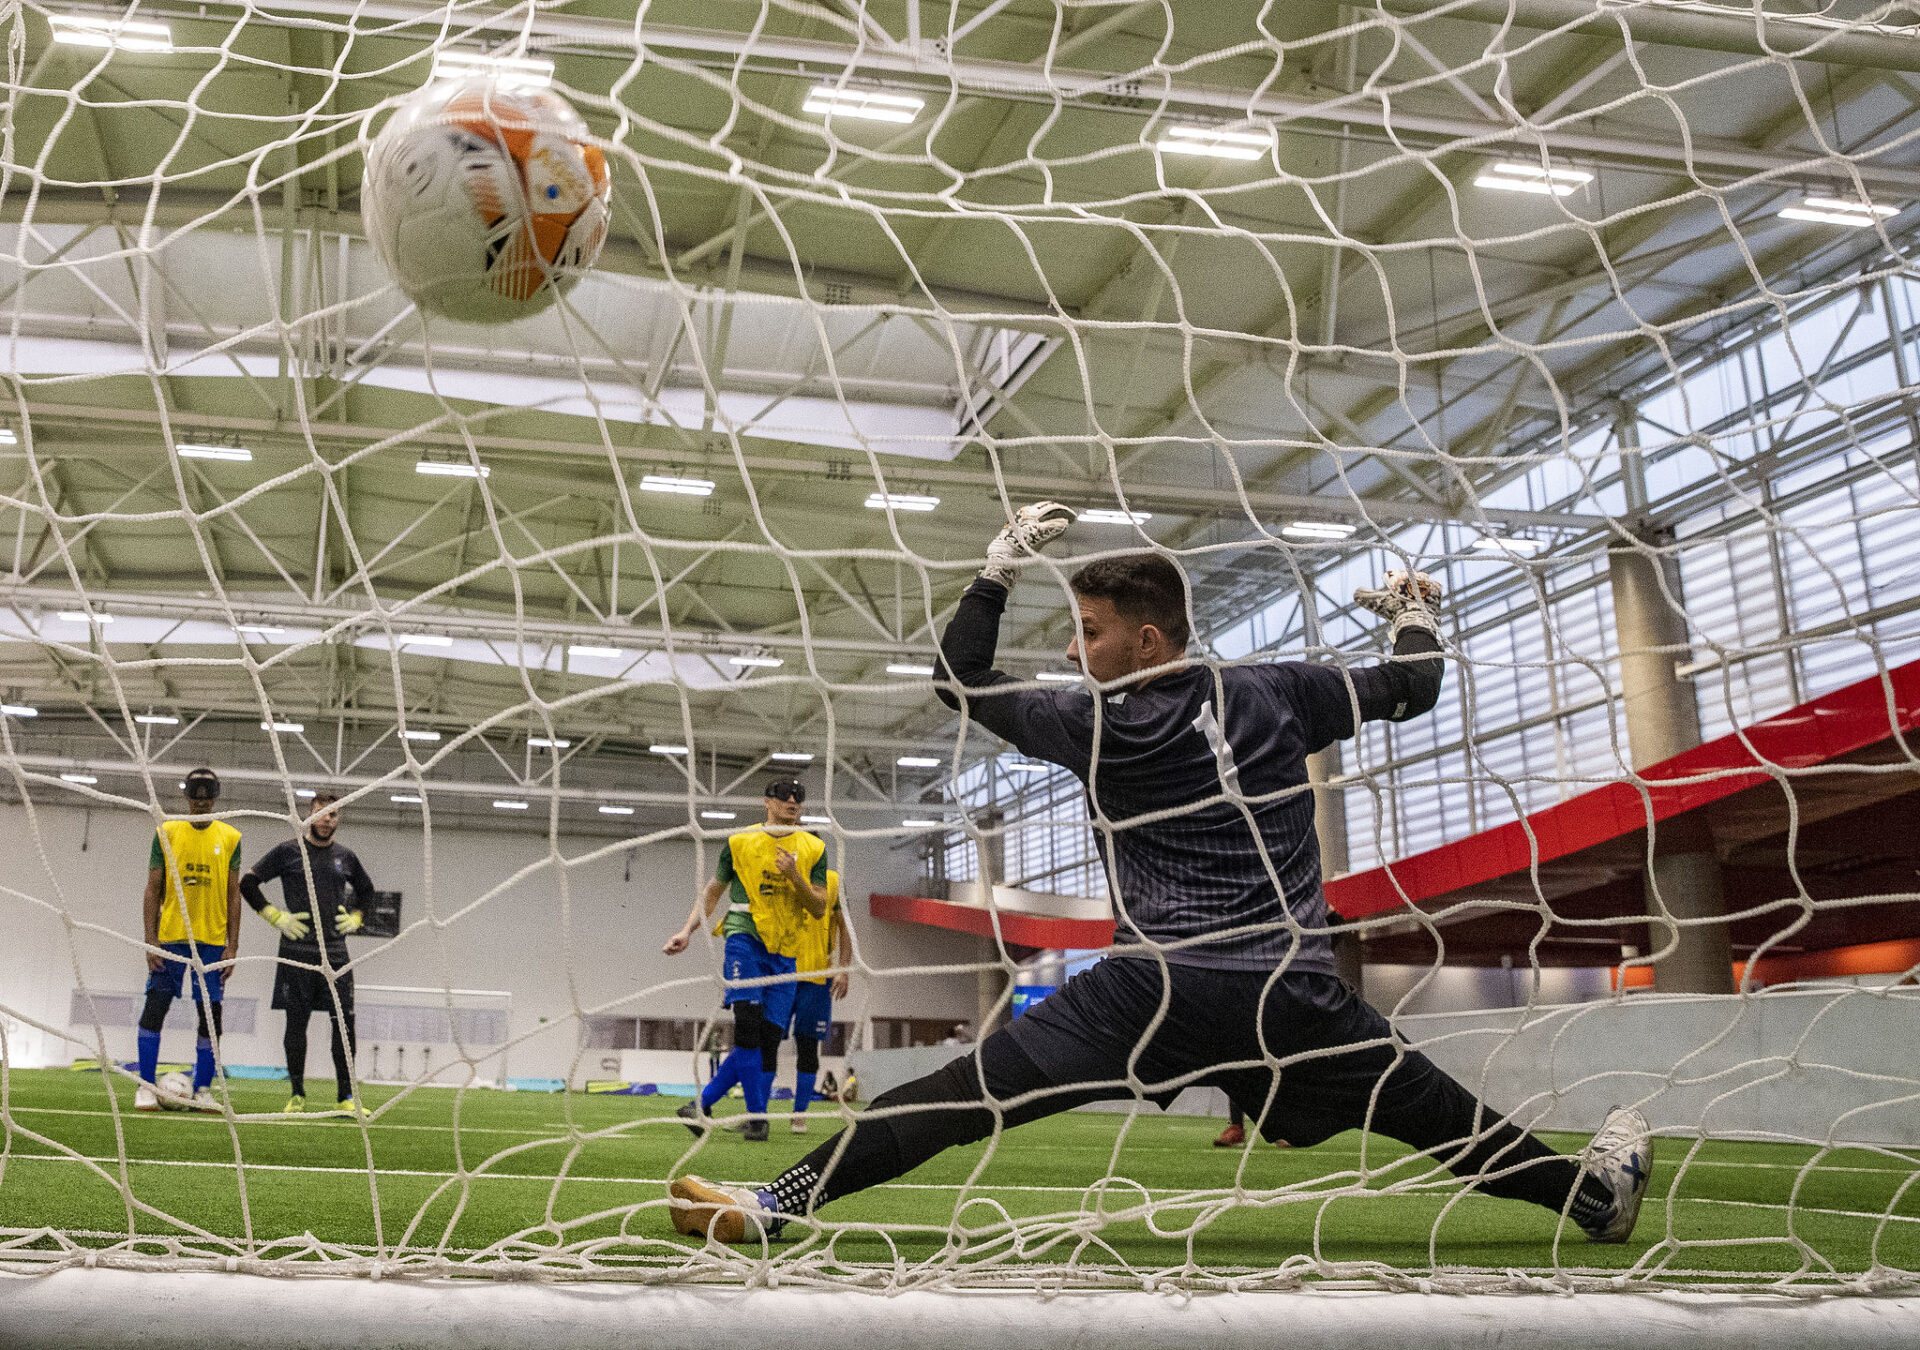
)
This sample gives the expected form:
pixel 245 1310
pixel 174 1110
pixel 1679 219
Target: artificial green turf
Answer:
pixel 559 1169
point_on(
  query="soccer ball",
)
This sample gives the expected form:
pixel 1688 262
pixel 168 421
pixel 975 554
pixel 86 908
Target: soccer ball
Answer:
pixel 176 1089
pixel 485 203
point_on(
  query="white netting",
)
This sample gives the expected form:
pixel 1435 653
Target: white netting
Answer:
pixel 1606 320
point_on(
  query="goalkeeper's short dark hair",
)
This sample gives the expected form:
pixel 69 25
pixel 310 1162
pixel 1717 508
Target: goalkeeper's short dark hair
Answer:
pixel 1143 588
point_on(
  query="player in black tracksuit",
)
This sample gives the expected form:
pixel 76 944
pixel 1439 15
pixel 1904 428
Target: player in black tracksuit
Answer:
pixel 334 907
pixel 1197 790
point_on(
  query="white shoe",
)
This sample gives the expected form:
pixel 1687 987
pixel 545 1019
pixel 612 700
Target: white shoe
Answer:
pixel 204 1100
pixel 799 1124
pixel 145 1098
pixel 723 1213
pixel 1620 1157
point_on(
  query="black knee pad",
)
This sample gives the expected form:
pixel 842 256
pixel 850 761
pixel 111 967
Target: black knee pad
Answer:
pixel 204 1007
pixel 770 1038
pixel 154 1015
pixel 747 1021
pixel 806 1054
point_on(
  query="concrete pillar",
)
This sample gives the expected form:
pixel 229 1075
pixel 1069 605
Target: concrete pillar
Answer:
pixel 1330 825
pixel 993 976
pixel 1662 720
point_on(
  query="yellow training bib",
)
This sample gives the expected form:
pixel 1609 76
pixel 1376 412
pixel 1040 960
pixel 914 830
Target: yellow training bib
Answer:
pixel 196 863
pixel 770 898
pixel 813 940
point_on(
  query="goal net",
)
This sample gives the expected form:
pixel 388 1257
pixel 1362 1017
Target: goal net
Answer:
pixel 1603 319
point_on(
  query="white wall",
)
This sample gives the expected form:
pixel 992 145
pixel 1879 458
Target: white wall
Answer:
pixel 1407 990
pixel 563 939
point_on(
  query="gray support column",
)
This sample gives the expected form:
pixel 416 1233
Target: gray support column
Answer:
pixel 1330 825
pixel 993 977
pixel 1662 720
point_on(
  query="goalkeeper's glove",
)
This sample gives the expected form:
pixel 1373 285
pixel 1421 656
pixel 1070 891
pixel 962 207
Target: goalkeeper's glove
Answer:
pixel 290 925
pixel 1032 529
pixel 1407 600
pixel 348 921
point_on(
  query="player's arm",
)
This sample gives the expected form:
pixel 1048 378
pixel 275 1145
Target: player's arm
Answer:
pixel 841 949
pixel 1034 720
pixel 233 911
pixel 271 866
pixel 812 890
pixel 354 919
pixel 150 908
pixel 1335 700
pixel 697 918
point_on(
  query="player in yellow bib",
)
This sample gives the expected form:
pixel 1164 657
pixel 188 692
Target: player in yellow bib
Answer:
pixel 774 878
pixel 191 913
pixel 821 940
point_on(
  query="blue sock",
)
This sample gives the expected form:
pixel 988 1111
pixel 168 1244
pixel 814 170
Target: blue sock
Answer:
pixel 203 1064
pixel 755 1082
pixel 802 1093
pixel 723 1079
pixel 149 1054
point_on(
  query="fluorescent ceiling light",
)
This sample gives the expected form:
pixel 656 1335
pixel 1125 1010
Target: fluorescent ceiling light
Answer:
pixel 596 653
pixel 423 639
pixel 8 437
pixel 236 454
pixel 870 104
pixel 903 669
pixel 126 35
pixel 718 815
pixel 543 743
pixel 510 72
pixel 291 728
pixel 757 662
pixel 509 806
pixel 1495 543
pixel 451 468
pixel 816 820
pixel 793 756
pixel 666 749
pixel 923 824
pixel 901 501
pixel 1057 677
pixel 81 616
pixel 408 798
pixel 1100 515
pixel 1184 138
pixel 305 792
pixel 156 720
pixel 1839 211
pixel 258 630
pixel 685 487
pixel 1507 176
pixel 917 762
pixel 1317 529
pixel 18 710
pixel 616 810
pixel 78 778
pixel 412 735
pixel 1028 766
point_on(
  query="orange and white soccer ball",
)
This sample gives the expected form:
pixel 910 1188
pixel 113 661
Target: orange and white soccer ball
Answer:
pixel 485 203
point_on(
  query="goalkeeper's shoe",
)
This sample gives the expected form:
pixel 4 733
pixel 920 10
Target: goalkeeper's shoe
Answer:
pixel 296 1104
pixel 1620 1158
pixel 1231 1137
pixel 723 1213
pixel 145 1098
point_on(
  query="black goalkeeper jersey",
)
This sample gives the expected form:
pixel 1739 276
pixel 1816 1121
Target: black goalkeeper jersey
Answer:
pixel 340 883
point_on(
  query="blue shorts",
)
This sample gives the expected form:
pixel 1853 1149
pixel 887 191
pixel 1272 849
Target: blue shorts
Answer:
pixel 812 1011
pixel 747 958
pixel 171 978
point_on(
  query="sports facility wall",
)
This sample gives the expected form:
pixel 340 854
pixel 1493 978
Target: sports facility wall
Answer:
pixel 599 942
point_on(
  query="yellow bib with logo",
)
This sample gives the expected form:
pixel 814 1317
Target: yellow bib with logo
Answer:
pixel 196 862
pixel 775 909
pixel 813 944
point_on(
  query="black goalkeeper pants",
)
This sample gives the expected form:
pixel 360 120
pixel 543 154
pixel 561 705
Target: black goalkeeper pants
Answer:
pixel 1342 1068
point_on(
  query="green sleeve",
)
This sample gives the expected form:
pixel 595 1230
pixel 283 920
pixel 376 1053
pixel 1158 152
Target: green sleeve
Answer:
pixel 819 875
pixel 724 872
pixel 233 863
pixel 157 857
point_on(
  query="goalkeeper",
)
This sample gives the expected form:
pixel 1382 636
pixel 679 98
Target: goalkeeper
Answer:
pixel 1219 901
pixel 333 906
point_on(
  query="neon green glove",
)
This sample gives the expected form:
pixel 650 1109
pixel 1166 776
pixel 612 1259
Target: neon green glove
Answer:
pixel 348 921
pixel 290 925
